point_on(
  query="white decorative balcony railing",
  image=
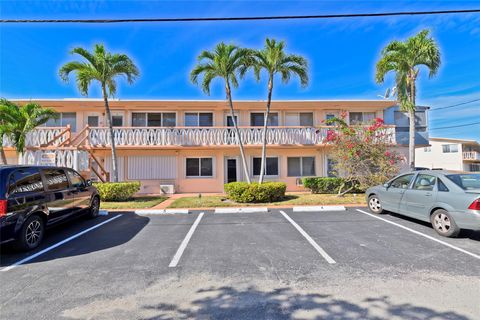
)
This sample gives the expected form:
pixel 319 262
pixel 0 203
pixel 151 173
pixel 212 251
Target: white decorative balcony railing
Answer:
pixel 40 136
pixel 213 136
pixel 471 155
pixel 76 159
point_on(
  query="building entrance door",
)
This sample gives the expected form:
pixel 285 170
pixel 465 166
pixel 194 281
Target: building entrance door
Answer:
pixel 231 170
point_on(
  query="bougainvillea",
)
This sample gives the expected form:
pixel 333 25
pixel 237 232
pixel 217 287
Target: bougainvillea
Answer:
pixel 362 154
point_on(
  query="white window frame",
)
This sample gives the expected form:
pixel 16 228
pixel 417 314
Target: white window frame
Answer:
pixel 118 114
pixel 200 168
pixel 297 116
pixel 301 167
pixel 60 120
pixel 198 119
pixel 450 148
pixel 363 116
pixel 263 112
pixel 265 174
pixel 150 111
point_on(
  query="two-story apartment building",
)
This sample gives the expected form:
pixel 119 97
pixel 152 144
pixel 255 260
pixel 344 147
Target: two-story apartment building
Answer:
pixel 191 145
pixel 450 154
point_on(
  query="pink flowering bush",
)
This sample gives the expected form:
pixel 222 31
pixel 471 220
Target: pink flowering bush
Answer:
pixel 362 153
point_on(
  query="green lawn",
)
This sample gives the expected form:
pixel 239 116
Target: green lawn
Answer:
pixel 297 199
pixel 135 203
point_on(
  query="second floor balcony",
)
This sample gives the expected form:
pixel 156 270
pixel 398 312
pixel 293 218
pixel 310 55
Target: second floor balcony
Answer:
pixel 98 137
pixel 471 155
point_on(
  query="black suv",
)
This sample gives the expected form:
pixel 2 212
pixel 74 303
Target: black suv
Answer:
pixel 34 197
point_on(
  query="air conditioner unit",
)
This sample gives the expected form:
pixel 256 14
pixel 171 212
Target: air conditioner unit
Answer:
pixel 167 189
pixel 299 182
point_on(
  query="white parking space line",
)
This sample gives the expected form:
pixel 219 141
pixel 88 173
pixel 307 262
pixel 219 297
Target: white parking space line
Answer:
pixel 421 234
pixel 309 239
pixel 57 244
pixel 185 241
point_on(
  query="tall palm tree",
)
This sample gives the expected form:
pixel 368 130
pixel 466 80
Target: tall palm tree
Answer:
pixel 227 62
pixel 17 121
pixel 405 59
pixel 274 60
pixel 103 67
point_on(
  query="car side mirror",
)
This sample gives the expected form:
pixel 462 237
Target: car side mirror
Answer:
pixel 89 183
pixel 386 185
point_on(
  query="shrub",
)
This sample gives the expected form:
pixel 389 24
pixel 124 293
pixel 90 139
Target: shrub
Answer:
pixel 117 191
pixel 326 184
pixel 255 192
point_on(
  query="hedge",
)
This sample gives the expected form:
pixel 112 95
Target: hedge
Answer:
pixel 325 185
pixel 117 191
pixel 255 192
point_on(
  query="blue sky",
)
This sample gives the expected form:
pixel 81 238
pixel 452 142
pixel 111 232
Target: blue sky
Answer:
pixel 342 52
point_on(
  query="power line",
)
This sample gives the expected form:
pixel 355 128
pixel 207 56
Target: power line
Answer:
pixel 291 17
pixel 461 125
pixel 455 105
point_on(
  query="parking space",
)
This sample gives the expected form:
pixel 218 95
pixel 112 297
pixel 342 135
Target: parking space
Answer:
pixel 125 255
pixel 363 243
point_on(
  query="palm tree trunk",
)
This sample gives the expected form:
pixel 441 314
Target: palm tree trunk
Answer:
pixel 265 125
pixel 112 137
pixel 3 158
pixel 411 134
pixel 237 132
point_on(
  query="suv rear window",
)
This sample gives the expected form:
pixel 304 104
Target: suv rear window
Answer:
pixel 466 181
pixel 56 179
pixel 25 180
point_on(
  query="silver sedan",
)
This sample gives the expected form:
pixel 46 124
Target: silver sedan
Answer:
pixel 449 201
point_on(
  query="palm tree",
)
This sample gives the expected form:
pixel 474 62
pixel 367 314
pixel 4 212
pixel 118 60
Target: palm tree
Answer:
pixel 405 59
pixel 103 67
pixel 274 60
pixel 227 62
pixel 17 121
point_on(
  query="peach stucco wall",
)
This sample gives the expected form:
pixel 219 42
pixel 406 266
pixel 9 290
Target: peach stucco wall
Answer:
pixel 215 183
pixel 86 107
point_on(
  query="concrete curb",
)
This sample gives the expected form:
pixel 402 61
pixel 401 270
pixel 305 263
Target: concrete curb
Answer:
pixel 161 211
pixel 319 208
pixel 241 210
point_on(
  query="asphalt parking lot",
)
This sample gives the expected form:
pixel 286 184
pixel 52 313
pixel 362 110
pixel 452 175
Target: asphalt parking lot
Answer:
pixel 276 265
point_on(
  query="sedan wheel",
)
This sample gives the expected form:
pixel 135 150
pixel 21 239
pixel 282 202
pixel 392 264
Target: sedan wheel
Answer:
pixel 444 224
pixel 374 204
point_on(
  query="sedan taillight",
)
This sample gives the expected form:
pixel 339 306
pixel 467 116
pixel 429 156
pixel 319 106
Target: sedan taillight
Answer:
pixel 475 205
pixel 3 208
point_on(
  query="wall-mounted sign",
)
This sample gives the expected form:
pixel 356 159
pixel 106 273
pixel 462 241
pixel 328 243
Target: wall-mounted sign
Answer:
pixel 48 159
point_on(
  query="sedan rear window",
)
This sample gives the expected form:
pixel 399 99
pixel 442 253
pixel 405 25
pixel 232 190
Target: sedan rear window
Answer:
pixel 466 181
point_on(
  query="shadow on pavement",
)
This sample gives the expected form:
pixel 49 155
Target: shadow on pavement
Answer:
pixel 231 303
pixel 111 234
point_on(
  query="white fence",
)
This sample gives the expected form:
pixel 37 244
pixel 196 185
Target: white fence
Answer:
pixel 74 159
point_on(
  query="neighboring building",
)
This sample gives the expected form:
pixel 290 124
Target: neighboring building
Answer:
pixel 450 154
pixel 394 116
pixel 191 146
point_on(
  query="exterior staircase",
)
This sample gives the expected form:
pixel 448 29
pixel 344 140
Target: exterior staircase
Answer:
pixel 64 150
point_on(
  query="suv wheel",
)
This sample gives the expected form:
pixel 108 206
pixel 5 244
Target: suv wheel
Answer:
pixel 32 233
pixel 95 207
pixel 444 224
pixel 374 204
